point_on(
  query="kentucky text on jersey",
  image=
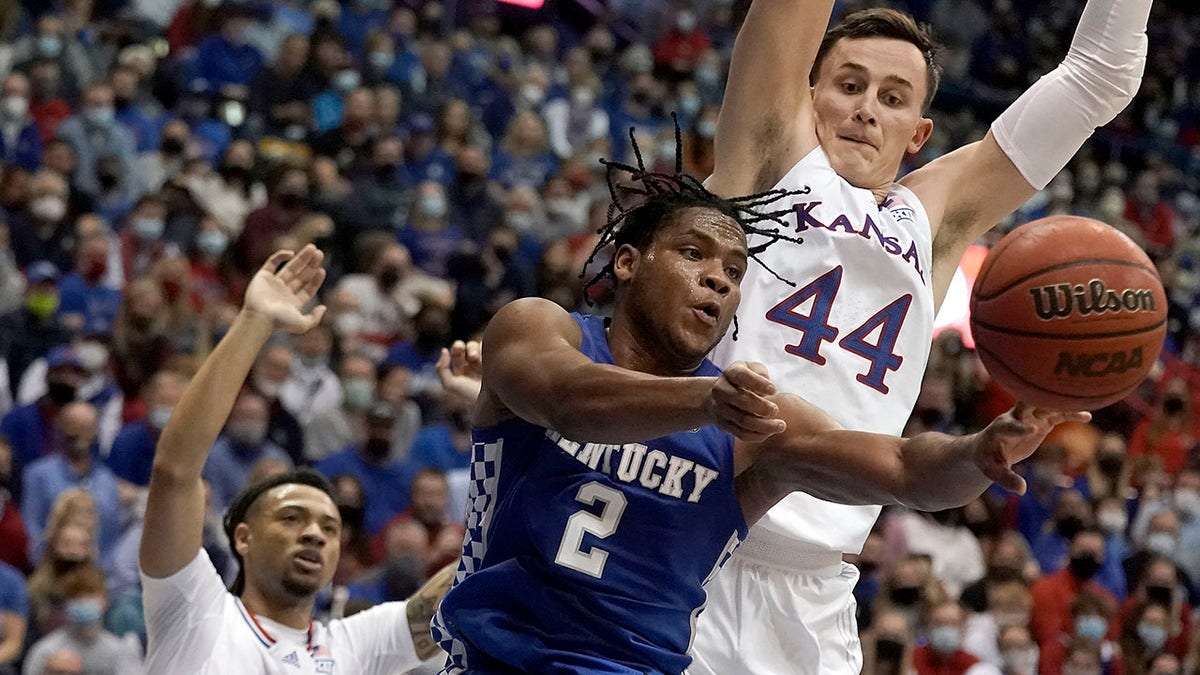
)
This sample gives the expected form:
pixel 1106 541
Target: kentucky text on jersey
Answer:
pixel 652 469
pixel 806 219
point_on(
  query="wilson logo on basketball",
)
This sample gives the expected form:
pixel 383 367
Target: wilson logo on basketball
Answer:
pixel 1060 300
pixel 1095 365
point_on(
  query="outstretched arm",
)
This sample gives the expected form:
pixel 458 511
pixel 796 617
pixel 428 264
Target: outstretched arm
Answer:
pixel 532 368
pixel 928 472
pixel 969 190
pixel 175 505
pixel 766 122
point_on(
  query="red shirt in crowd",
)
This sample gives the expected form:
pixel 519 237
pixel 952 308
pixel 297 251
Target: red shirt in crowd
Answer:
pixel 926 661
pixel 1052 597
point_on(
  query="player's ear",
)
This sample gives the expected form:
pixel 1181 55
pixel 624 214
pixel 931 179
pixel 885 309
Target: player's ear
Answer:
pixel 625 262
pixel 241 539
pixel 920 135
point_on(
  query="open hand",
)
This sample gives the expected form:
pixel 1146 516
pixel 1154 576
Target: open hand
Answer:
pixel 280 294
pixel 739 405
pixel 460 369
pixel 1014 436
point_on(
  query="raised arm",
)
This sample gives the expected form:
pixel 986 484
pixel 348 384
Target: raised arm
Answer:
pixel 928 472
pixel 968 191
pixel 532 367
pixel 175 506
pixel 766 123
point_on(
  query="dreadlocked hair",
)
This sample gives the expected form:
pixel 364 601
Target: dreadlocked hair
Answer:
pixel 650 199
pixel 240 509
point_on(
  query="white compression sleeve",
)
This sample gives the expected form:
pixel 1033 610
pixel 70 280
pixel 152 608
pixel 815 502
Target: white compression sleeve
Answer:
pixel 1044 128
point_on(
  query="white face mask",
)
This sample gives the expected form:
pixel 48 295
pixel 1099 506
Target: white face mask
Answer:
pixel 1112 521
pixel 1187 502
pixel 49 208
pixel 15 107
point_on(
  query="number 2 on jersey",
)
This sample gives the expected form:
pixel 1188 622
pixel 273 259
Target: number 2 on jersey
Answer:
pixel 601 526
pixel 815 328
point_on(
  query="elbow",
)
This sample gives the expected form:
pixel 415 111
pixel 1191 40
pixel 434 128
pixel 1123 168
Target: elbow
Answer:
pixel 168 474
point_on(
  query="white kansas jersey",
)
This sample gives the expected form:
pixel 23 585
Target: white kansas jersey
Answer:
pixel 852 336
pixel 195 626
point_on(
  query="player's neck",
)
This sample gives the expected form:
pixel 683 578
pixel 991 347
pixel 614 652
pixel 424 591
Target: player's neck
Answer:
pixel 295 614
pixel 635 349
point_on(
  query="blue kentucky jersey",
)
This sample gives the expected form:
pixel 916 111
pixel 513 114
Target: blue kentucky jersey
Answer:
pixel 585 557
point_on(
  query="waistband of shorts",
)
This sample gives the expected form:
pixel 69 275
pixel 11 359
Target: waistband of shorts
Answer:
pixel 791 555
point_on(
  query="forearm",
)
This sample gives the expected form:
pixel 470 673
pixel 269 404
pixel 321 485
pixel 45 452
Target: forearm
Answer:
pixel 1102 71
pixel 14 637
pixel 207 401
pixel 604 403
pixel 928 472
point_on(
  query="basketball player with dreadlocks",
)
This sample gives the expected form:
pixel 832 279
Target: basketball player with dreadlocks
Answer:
pixel 837 112
pixel 284 532
pixel 614 468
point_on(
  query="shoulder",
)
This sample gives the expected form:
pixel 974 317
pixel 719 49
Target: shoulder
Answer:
pixel 532 316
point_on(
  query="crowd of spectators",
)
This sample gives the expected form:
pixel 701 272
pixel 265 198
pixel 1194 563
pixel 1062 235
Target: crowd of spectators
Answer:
pixel 154 152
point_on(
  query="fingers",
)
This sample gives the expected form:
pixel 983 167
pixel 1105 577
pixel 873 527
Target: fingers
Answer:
pixel 474 357
pixel 1010 480
pixel 443 363
pixel 312 319
pixel 298 267
pixel 310 285
pixel 751 377
pixel 751 429
pixel 276 260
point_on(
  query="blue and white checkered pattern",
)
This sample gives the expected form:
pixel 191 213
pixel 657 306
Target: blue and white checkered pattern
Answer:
pixel 481 493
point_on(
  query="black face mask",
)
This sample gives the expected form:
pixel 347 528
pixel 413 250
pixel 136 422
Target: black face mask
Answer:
pixel 906 596
pixel 108 181
pixel 292 200
pixel 62 566
pixel 388 278
pixel 887 649
pixel 232 173
pixel 61 393
pixel 385 173
pixel 377 449
pixel 1084 567
pixel 1160 595
pixel 867 568
pixel 1069 527
pixel 352 516
pixel 1004 573
pixel 1110 463
pixel 171 146
pixel 1173 405
pixel 949 517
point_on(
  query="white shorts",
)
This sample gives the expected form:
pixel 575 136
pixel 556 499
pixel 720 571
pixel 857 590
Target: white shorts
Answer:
pixel 764 620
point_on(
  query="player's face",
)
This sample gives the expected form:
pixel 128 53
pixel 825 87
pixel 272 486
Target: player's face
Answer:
pixel 684 290
pixel 292 541
pixel 867 101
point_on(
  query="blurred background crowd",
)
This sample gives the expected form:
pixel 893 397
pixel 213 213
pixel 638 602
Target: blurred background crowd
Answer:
pixel 444 155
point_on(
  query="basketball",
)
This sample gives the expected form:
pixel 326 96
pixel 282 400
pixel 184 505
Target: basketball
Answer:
pixel 1068 313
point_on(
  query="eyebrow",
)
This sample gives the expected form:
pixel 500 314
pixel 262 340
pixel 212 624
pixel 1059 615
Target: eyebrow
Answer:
pixel 693 232
pixel 894 79
pixel 287 506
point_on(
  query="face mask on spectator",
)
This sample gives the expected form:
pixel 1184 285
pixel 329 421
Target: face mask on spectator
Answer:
pixel 707 128
pixel 1091 627
pixel 212 242
pixel 49 45
pixel 100 116
pixel 685 22
pixel 1152 637
pixel 348 323
pixel 15 107
pixel 346 80
pixel 172 145
pixel 147 229
pixel 381 60
pixel 268 388
pixel 1069 526
pixel 532 94
pixel 378 448
pixel 1173 405
pixel 159 416
pixel 61 393
pixel 582 97
pixel 1162 595
pixel 1162 543
pixel 433 206
pixel 292 200
pixel 246 432
pixel 689 105
pixel 42 305
pixel 906 596
pixel 92 355
pixel 357 393
pixel 888 649
pixel 945 639
pixel 48 208
pixel 1187 502
pixel 84 611
pixel 1112 521
pixel 1021 659
pixel 706 75
pixel 1084 566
